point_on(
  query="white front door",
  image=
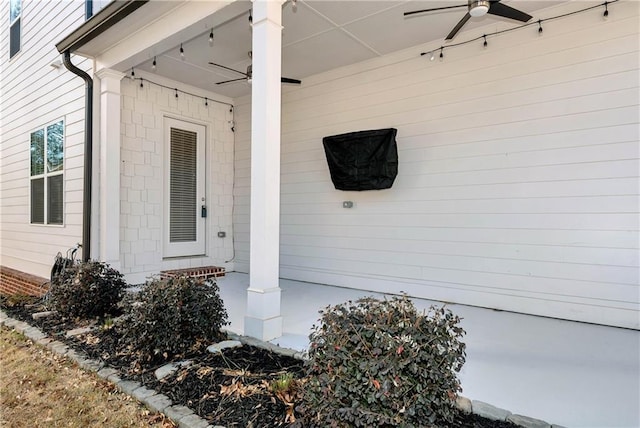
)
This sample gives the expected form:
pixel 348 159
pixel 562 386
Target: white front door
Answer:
pixel 185 204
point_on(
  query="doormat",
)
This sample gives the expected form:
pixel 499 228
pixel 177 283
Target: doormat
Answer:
pixel 197 272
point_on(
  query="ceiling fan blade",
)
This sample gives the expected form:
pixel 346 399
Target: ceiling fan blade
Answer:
pixel 434 9
pixel 232 80
pixel 230 69
pixel 290 80
pixel 457 28
pixel 500 9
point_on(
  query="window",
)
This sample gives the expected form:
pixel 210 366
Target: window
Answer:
pixel 15 12
pixel 47 159
pixel 88 9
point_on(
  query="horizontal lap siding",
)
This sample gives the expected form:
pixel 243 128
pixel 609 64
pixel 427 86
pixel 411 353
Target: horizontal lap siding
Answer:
pixel 35 94
pixel 518 173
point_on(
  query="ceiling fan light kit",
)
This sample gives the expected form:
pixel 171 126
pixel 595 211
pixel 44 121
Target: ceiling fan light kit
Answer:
pixel 479 8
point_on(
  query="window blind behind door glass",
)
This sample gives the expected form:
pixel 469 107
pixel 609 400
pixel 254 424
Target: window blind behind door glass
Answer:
pixel 182 186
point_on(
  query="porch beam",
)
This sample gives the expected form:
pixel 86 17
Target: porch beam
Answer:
pixel 263 319
pixel 109 182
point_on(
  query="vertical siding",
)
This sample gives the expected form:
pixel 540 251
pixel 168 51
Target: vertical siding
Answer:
pixel 518 172
pixel 142 195
pixel 30 85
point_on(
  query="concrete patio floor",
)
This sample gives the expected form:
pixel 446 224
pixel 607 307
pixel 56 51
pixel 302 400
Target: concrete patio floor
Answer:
pixel 566 373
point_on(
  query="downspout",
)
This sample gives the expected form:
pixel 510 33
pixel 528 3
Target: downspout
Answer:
pixel 88 153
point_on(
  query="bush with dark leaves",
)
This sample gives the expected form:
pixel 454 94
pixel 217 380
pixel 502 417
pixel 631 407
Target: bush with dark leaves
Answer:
pixel 173 316
pixel 86 290
pixel 382 363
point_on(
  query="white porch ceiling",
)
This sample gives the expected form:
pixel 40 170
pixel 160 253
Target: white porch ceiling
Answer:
pixel 321 35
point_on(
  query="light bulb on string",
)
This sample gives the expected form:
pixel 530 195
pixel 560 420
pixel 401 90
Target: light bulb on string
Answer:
pixel 141 84
pixel 133 74
pixel 250 18
pixel 606 10
pixel 154 64
pixel 211 38
pixel 540 27
pixel 176 89
pixel 206 102
pixel 181 51
pixel 485 44
pixel 441 53
pixel 432 56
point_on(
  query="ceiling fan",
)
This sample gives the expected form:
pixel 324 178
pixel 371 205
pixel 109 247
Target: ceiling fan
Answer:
pixel 249 74
pixel 479 8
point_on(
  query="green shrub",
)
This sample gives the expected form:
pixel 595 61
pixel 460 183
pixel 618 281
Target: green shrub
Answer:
pixel 172 316
pixel 381 363
pixel 86 290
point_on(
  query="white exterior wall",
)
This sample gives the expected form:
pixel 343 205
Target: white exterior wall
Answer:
pixel 142 170
pixel 34 94
pixel 518 172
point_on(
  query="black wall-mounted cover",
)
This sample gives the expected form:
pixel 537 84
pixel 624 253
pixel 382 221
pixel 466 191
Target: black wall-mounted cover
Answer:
pixel 364 160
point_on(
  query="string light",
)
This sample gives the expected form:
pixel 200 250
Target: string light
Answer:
pixel 154 64
pixel 181 51
pixel 539 22
pixel 211 38
pixel 432 57
pixel 176 91
pixel 250 18
pixel 485 44
pixel 133 73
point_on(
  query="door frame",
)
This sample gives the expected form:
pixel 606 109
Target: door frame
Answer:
pixel 197 247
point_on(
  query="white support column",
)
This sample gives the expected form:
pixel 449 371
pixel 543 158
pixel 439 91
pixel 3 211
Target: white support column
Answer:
pixel 110 166
pixel 263 319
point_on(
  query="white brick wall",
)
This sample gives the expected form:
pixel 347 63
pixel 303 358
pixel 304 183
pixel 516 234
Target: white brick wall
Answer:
pixel 142 178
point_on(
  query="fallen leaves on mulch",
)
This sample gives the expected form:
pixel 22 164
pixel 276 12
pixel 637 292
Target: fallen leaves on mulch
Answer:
pixel 234 388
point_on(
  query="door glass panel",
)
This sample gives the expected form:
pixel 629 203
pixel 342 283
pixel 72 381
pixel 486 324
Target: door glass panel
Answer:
pixel 183 186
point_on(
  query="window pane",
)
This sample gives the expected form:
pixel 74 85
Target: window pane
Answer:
pixel 37 152
pixel 55 195
pixel 15 9
pixel 37 200
pixel 55 146
pixel 182 186
pixel 14 38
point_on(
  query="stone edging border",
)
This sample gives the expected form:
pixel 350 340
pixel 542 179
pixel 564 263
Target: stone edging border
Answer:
pixel 184 417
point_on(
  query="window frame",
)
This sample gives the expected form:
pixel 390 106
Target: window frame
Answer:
pixel 17 21
pixel 47 175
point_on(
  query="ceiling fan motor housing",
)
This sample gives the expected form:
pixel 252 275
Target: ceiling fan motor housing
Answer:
pixel 478 7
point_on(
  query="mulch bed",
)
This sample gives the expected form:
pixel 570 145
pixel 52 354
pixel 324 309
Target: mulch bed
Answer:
pixel 232 389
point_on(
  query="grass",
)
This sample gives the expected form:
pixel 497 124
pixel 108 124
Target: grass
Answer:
pixel 39 388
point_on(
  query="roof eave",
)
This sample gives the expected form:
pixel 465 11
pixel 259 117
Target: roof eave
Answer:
pixel 107 17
